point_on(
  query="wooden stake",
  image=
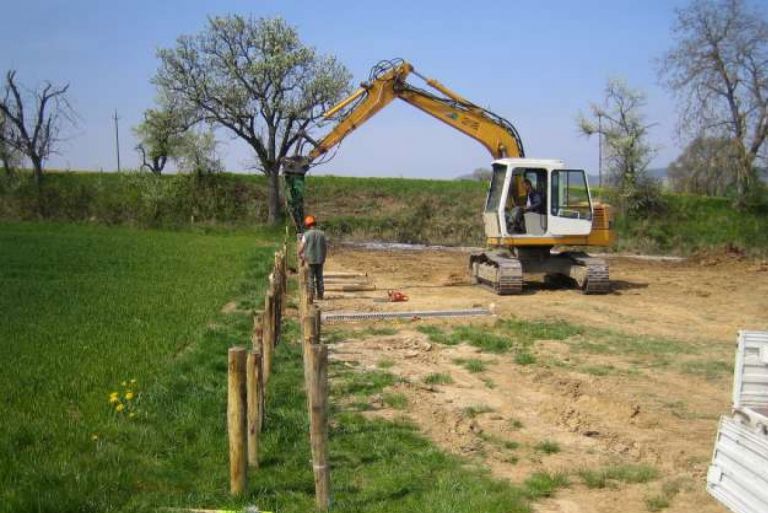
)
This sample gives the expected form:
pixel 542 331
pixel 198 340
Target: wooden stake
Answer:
pixel 236 420
pixel 318 411
pixel 278 297
pixel 268 336
pixel 258 329
pixel 303 296
pixel 253 398
pixel 257 338
pixel 315 317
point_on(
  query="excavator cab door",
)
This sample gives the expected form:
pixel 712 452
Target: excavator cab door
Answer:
pixel 570 205
pixel 494 203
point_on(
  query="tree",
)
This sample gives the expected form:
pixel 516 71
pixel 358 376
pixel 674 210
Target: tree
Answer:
pixel 196 153
pixel 621 123
pixel 9 156
pixel 718 68
pixel 35 136
pixel 255 78
pixel 161 136
pixel 708 165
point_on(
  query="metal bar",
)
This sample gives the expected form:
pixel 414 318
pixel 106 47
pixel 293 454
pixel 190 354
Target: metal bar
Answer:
pixel 356 316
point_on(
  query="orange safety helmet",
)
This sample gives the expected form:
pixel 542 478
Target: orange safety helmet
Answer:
pixel 309 221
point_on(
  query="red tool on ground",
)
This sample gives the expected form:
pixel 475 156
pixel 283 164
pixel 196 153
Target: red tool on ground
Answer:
pixel 395 296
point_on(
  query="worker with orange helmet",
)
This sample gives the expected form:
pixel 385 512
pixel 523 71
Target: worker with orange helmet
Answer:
pixel 312 250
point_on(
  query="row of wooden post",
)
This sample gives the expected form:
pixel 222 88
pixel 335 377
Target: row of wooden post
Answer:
pixel 248 374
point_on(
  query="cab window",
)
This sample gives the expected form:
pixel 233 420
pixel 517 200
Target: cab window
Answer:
pixel 570 195
pixel 496 188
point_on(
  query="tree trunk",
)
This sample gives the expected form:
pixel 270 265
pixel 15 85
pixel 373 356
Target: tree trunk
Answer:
pixel 37 167
pixel 7 166
pixel 744 179
pixel 273 195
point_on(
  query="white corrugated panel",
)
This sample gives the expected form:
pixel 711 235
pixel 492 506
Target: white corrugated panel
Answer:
pixel 750 376
pixel 738 476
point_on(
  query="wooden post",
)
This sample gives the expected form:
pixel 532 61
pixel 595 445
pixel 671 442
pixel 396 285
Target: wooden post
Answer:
pixel 236 420
pixel 284 273
pixel 318 421
pixel 277 288
pixel 268 331
pixel 258 329
pixel 272 292
pixel 315 320
pixel 302 292
pixel 253 398
pixel 257 338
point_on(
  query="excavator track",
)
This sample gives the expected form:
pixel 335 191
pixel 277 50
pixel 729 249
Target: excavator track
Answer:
pixel 500 272
pixel 594 279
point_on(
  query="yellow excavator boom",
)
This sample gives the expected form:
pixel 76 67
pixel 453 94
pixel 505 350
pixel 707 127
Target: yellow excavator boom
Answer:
pixel 388 82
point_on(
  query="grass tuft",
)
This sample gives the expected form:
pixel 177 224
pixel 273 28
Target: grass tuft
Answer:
pixel 438 379
pixel 543 484
pixel 619 473
pixel 473 365
pixel 397 401
pixel 547 447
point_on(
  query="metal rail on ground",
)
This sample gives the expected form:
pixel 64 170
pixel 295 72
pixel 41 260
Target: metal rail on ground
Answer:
pixel 359 316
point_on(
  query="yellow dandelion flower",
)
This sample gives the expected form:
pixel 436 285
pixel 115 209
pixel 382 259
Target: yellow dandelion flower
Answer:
pixel 113 394
pixel 129 395
pixel 114 399
pixel 119 408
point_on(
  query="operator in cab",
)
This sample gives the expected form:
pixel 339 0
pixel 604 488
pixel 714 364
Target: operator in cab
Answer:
pixel 534 202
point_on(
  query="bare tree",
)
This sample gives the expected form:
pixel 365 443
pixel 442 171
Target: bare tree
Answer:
pixel 719 70
pixel 257 79
pixel 621 122
pixel 36 119
pixel 9 156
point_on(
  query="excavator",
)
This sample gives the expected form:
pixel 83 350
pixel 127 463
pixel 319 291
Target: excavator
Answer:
pixel 520 240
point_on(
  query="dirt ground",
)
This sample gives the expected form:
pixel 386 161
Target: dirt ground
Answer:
pixel 602 411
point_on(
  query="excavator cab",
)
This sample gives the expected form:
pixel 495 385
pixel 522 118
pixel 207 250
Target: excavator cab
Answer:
pixel 565 204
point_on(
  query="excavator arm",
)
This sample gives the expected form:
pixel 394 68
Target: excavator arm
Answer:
pixel 388 82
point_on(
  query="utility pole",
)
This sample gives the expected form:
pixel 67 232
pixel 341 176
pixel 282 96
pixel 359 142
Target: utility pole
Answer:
pixel 117 140
pixel 600 151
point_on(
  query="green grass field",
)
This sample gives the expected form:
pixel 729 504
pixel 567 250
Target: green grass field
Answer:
pixel 85 309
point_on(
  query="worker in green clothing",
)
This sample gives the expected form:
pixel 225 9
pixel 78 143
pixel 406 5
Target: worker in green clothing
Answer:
pixel 294 185
pixel 312 250
pixel 294 172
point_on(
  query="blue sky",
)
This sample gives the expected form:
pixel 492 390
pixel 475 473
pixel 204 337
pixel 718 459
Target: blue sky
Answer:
pixel 537 63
